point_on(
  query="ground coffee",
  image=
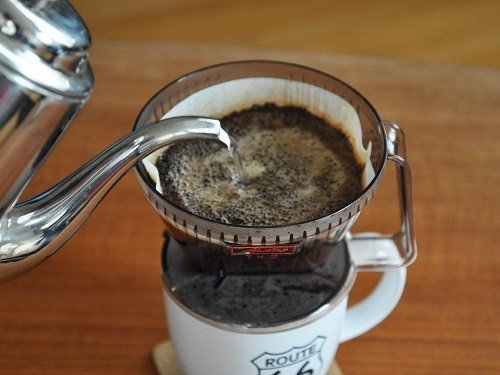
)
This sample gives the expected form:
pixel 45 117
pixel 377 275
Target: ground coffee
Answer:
pixel 300 168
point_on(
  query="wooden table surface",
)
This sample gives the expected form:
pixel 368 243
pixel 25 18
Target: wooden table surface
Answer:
pixel 460 31
pixel 96 306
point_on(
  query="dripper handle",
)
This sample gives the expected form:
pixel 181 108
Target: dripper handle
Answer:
pixel 405 238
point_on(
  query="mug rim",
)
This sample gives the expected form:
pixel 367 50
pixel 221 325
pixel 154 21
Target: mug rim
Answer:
pixel 146 182
pixel 327 307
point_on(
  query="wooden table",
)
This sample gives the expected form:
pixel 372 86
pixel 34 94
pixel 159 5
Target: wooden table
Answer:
pixel 96 306
pixel 445 30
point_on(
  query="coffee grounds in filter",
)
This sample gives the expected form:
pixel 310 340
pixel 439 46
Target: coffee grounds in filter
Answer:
pixel 300 168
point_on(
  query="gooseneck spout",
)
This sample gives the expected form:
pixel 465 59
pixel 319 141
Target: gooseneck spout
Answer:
pixel 33 230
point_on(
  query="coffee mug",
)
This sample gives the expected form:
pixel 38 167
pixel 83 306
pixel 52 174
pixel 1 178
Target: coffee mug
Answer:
pixel 305 346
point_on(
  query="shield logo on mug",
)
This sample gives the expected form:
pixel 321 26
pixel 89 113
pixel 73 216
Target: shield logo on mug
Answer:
pixel 299 360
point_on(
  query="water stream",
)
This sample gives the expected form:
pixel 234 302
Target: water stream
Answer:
pixel 242 173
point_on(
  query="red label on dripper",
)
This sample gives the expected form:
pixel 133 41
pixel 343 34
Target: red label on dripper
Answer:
pixel 272 251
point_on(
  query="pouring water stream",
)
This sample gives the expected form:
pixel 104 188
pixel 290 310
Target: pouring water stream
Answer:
pixel 240 168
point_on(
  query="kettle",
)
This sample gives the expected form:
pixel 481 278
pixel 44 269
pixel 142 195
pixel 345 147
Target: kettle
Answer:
pixel 45 78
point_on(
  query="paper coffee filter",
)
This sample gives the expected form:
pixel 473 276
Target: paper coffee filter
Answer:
pixel 220 100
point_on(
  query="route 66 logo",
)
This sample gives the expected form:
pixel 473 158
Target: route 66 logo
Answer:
pixel 299 360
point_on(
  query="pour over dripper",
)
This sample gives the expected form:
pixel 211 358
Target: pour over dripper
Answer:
pixel 384 141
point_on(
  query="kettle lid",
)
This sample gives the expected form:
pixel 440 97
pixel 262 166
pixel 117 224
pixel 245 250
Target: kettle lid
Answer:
pixel 47 42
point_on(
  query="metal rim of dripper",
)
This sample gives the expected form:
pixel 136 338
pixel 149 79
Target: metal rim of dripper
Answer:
pixel 201 227
pixel 326 307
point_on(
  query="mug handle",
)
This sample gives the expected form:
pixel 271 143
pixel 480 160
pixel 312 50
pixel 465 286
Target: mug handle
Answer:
pixel 372 310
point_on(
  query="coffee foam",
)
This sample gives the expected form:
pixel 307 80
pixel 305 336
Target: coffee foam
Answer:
pixel 220 100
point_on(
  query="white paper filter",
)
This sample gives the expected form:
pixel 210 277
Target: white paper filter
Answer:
pixel 222 99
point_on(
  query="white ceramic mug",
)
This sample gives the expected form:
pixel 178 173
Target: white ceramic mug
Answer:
pixel 303 347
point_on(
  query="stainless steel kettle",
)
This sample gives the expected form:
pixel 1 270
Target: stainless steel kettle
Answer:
pixel 45 78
